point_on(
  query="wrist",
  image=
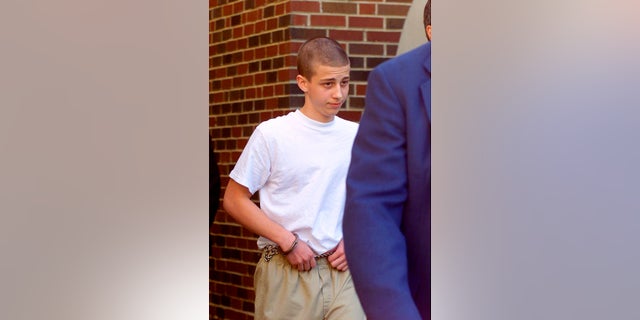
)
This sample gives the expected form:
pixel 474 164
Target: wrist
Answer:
pixel 285 239
pixel 294 243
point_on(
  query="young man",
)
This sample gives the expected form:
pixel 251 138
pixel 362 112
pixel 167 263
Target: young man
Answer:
pixel 387 219
pixel 298 163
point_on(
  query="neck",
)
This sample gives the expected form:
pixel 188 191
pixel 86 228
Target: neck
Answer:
pixel 313 115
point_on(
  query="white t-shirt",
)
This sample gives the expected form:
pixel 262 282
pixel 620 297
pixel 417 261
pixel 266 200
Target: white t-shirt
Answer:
pixel 300 165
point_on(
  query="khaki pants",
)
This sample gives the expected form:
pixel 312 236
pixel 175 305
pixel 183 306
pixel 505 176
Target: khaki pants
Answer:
pixel 283 292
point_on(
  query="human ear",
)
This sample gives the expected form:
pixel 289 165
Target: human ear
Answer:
pixel 428 30
pixel 302 83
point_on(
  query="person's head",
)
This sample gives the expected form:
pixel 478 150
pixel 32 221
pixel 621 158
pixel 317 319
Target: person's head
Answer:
pixel 427 19
pixel 323 76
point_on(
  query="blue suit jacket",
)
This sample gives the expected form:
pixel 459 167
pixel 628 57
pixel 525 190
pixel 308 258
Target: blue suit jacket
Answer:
pixel 387 219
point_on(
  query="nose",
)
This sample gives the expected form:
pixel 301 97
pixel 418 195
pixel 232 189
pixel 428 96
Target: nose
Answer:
pixel 337 92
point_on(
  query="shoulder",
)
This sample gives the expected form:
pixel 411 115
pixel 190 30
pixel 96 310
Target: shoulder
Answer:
pixel 410 57
pixel 275 124
pixel 407 63
pixel 346 124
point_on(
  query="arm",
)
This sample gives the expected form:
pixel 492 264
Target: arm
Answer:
pixel 237 202
pixel 376 194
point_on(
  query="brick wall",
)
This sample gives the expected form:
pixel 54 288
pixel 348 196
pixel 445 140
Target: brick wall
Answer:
pixel 252 69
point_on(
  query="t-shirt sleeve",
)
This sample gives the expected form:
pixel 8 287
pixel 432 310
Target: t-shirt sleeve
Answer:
pixel 253 167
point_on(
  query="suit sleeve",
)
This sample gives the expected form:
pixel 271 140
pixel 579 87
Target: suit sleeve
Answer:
pixel 376 193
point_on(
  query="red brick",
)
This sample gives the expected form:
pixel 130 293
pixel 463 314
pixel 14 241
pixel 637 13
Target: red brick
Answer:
pixel 394 23
pixel 367 8
pixel 243 68
pixel 247 281
pixel 392 50
pixel 367 49
pixel 381 36
pixel 224 157
pixel 299 20
pixel 253 15
pixel 242 43
pixel 295 46
pixel 291 61
pixel 220 73
pixel 365 22
pixel 218 97
pixel 236 132
pixel 272 50
pixel 346 35
pixel 306 33
pixel 351 115
pixel 250 93
pixel 260 26
pixel 227 10
pixel 226 85
pixel 332 21
pixel 247 55
pixel 284 48
pixel 393 10
pixel 280 89
pixel 272 23
pixel 236 304
pixel 273 103
pixel 238 7
pixel 339 7
pixel 267 91
pixel 304 6
pixel 260 53
pixel 265 115
pixel 248 29
pixel 237 32
pixel 231 46
pixel 286 75
pixel 361 89
pixel 281 9
pixel 247 81
pixel 259 79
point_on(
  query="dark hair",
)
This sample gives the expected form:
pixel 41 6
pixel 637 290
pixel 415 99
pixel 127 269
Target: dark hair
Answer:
pixel 321 50
pixel 427 14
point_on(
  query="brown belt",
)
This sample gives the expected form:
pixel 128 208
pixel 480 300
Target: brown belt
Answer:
pixel 271 250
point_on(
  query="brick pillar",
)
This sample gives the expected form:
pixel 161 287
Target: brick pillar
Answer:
pixel 252 69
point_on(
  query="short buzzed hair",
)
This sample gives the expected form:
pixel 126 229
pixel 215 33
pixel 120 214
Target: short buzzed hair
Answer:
pixel 323 51
pixel 427 14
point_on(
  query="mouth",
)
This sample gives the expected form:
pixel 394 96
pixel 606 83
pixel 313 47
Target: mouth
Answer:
pixel 335 105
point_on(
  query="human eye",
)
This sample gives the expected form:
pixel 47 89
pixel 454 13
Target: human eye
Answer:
pixel 344 83
pixel 327 84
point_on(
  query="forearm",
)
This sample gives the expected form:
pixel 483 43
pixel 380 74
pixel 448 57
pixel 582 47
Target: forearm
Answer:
pixel 237 202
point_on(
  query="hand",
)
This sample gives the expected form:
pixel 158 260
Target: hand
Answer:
pixel 302 257
pixel 338 259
